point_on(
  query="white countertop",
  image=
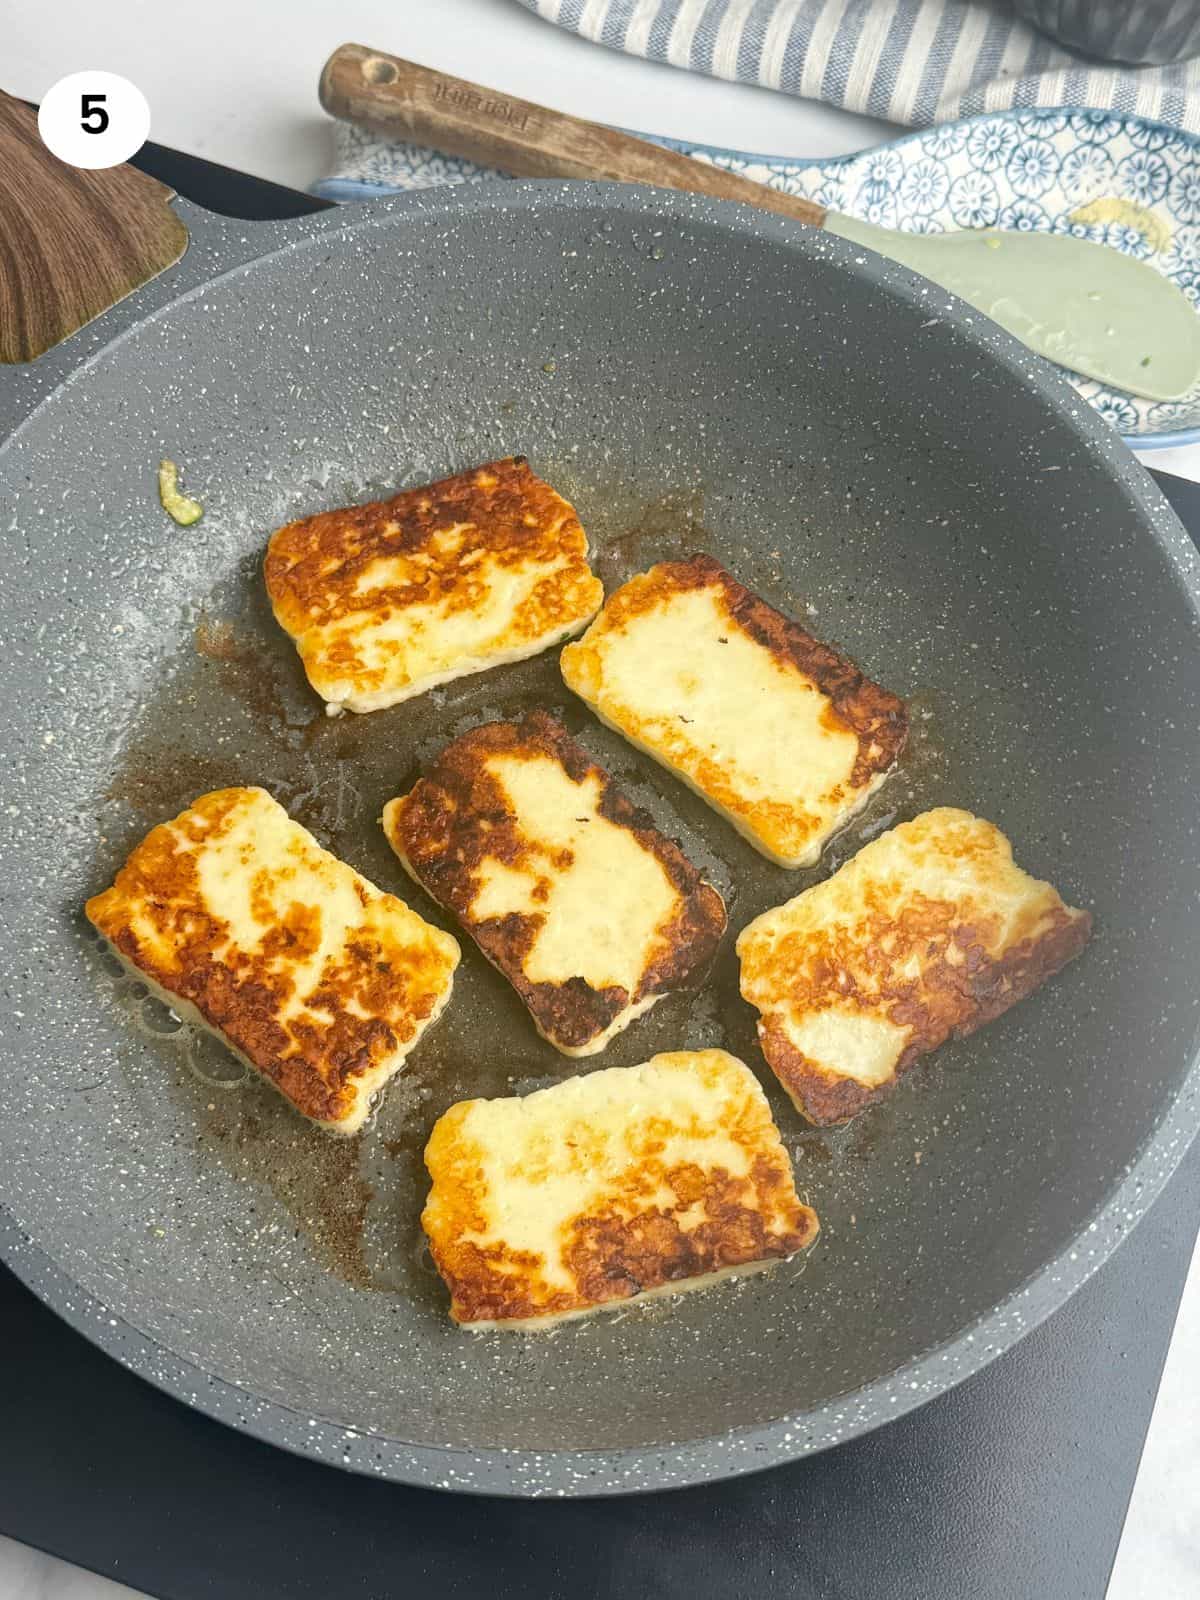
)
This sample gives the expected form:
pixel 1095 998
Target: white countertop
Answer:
pixel 237 83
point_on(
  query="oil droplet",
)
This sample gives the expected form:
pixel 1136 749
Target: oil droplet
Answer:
pixel 158 1020
pixel 212 1063
pixel 422 1256
pixel 110 965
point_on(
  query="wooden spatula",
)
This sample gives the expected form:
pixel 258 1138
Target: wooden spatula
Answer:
pixel 497 130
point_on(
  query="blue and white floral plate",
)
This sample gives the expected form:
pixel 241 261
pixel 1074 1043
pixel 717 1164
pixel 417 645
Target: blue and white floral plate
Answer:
pixel 1120 180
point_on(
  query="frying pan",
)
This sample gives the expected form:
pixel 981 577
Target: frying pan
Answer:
pixel 693 374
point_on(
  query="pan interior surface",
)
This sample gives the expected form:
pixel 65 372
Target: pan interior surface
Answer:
pixel 692 380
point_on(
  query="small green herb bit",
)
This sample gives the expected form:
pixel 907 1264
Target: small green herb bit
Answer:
pixel 178 506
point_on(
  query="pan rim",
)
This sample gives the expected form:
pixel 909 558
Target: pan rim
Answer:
pixel 609 1471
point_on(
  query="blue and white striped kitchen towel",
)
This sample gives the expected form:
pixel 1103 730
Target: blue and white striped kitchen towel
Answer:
pixel 910 61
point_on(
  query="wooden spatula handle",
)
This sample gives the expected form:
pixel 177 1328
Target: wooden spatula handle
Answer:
pixel 462 119
pixel 72 243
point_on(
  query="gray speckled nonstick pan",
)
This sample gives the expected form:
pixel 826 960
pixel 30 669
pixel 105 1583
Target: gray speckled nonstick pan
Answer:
pixel 694 375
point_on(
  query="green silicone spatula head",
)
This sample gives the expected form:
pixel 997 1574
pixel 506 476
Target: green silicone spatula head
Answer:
pixel 1083 305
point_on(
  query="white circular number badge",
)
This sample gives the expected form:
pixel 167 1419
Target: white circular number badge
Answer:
pixel 94 119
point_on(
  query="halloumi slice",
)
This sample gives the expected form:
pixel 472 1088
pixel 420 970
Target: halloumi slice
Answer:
pixel 385 601
pixel 236 918
pixel 928 932
pixel 629 1182
pixel 782 734
pixel 586 908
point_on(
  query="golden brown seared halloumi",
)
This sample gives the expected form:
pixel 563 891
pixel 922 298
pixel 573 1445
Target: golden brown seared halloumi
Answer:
pixel 235 916
pixel 384 601
pixel 929 931
pixel 782 734
pixel 628 1182
pixel 586 908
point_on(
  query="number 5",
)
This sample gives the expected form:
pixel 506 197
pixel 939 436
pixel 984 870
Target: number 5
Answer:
pixel 92 106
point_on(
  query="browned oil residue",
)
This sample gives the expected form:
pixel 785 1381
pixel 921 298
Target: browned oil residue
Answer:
pixel 217 640
pixel 813 1148
pixel 247 671
pixel 923 755
pixel 629 533
pixel 668 528
pixel 864 1140
pixel 158 781
pixel 315 1177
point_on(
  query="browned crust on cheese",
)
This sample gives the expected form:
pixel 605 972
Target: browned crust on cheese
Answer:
pixel 502 509
pixel 458 815
pixel 646 1236
pixel 950 999
pixel 615 1255
pixel 397 984
pixel 876 717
